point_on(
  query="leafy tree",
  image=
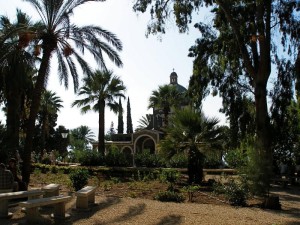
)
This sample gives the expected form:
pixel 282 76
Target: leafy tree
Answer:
pixel 242 41
pixel 100 90
pixel 285 117
pixel 190 131
pixel 57 35
pixel 59 143
pixel 129 119
pixel 165 98
pixel 47 117
pixel 120 119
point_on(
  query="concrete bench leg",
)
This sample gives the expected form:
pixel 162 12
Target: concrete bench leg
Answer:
pixel 4 209
pixel 49 194
pixel 60 211
pixel 91 199
pixel 32 215
pixel 82 202
pixel 29 198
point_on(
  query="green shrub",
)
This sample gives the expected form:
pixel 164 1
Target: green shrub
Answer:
pixel 54 169
pixel 236 158
pixel 169 196
pixel 76 155
pixel 146 159
pixel 79 178
pixel 235 192
pixel 46 160
pixel 115 157
pixel 179 160
pixel 146 176
pixel 191 189
pixel 170 176
pixel 91 158
pixel 37 172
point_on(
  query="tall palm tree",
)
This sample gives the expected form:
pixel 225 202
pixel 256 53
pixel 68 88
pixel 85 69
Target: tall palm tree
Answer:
pixel 50 106
pixel 191 131
pixel 57 35
pixel 166 97
pixel 101 89
pixel 16 69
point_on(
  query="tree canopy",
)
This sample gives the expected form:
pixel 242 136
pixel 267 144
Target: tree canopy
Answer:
pixel 237 51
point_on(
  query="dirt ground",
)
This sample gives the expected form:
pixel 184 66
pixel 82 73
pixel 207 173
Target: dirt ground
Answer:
pixel 121 203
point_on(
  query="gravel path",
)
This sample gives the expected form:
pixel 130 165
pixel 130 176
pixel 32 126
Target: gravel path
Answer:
pixel 122 211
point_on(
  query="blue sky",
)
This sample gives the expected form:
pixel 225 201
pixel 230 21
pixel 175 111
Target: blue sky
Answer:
pixel 148 62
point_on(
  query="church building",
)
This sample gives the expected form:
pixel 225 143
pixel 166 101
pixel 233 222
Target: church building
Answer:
pixel 148 138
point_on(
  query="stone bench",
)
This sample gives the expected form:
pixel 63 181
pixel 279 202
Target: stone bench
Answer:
pixel 284 181
pixel 5 190
pixel 5 197
pixel 85 197
pixel 32 206
pixel 51 190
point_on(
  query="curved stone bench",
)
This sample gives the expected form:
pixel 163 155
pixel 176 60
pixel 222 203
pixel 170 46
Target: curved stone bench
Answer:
pixel 5 197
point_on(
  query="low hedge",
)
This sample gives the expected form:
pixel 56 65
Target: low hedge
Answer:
pixel 108 172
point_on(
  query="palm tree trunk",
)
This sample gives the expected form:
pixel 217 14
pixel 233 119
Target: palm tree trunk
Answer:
pixel 101 143
pixel 12 122
pixel 34 107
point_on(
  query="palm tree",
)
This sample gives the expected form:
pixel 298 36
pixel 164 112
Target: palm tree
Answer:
pixel 144 122
pixel 84 134
pixel 166 97
pixel 100 90
pixel 57 35
pixel 16 69
pixel 191 131
pixel 50 106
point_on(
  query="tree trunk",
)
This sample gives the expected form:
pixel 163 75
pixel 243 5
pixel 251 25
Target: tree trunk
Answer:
pixel 12 122
pixel 263 132
pixel 101 143
pixel 34 107
pixel 195 165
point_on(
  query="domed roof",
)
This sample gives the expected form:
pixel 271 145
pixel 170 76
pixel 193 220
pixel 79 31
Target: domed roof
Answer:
pixel 180 88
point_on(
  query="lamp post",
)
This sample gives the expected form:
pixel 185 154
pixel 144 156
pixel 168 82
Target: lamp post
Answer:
pixel 64 135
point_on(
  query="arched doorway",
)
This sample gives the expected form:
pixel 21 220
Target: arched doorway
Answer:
pixel 145 142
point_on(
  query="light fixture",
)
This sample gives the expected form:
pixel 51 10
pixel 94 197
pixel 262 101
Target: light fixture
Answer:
pixel 64 134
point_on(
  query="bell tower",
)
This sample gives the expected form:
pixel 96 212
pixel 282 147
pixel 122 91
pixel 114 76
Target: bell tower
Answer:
pixel 173 78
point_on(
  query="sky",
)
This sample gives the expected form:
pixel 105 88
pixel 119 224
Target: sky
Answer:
pixel 148 62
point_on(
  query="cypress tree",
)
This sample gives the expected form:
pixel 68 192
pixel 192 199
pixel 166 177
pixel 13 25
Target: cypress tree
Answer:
pixel 129 120
pixel 120 118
